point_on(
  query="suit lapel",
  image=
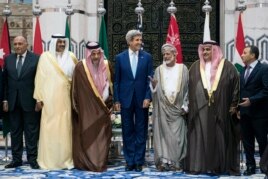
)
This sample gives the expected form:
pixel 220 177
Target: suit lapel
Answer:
pixel 128 63
pixel 254 71
pixel 242 76
pixel 13 66
pixel 140 61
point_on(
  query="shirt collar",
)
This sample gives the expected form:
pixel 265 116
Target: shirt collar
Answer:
pixel 131 52
pixel 23 55
pixel 253 64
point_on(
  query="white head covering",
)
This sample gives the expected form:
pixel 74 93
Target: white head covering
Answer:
pixel 64 59
pixel 216 57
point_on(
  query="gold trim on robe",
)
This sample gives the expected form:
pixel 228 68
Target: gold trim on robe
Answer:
pixel 109 75
pixel 91 82
pixel 215 83
pixel 58 68
pixel 172 99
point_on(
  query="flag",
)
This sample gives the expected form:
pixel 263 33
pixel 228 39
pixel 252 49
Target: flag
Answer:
pixel 206 36
pixel 4 44
pixel 67 32
pixel 103 38
pixel 239 45
pixel 5 51
pixel 173 36
pixel 38 46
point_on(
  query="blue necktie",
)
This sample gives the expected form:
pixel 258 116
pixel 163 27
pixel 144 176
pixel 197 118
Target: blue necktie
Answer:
pixel 134 64
pixel 19 65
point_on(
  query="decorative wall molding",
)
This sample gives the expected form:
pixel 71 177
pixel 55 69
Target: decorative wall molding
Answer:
pixel 261 43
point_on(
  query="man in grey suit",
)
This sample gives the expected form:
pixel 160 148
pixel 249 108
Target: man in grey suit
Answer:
pixel 18 85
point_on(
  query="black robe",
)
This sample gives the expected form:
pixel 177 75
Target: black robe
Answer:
pixel 213 135
pixel 92 129
pixel 264 161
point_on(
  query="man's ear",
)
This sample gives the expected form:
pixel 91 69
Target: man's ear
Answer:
pixel 253 55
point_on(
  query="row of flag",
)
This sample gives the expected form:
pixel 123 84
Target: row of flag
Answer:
pixel 173 37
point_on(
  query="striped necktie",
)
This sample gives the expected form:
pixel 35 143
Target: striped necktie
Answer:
pixel 19 65
pixel 247 73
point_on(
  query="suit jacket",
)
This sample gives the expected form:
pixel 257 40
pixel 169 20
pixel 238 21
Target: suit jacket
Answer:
pixel 21 87
pixel 125 85
pixel 256 89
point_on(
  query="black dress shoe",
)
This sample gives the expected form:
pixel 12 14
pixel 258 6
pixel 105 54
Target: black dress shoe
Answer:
pixel 13 165
pixel 129 167
pixel 34 165
pixel 138 168
pixel 250 171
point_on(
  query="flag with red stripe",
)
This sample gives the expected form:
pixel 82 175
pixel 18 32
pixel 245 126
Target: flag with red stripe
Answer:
pixel 239 44
pixel 37 46
pixel 4 44
pixel 173 36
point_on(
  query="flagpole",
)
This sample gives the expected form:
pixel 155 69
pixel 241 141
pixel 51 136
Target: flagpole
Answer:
pixel 139 10
pixel 37 47
pixel 36 10
pixel 241 7
pixel 69 12
pixel 173 33
pixel 103 42
pixel 171 8
pixel 101 11
pixel 6 12
pixel 207 9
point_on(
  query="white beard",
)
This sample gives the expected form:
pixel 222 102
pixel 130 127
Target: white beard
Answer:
pixel 166 62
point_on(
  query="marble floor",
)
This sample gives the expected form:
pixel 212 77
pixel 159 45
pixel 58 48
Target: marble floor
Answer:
pixel 116 168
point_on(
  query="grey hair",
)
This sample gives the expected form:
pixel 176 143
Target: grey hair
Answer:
pixel 169 47
pixel 131 34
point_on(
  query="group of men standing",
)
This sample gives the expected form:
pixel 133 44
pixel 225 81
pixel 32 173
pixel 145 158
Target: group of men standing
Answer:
pixel 75 100
pixel 196 114
pixel 217 102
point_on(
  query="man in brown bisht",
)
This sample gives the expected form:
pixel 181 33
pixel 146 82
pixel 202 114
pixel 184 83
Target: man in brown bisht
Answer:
pixel 92 103
pixel 213 137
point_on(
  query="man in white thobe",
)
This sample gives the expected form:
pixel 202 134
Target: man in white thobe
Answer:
pixel 170 104
pixel 52 93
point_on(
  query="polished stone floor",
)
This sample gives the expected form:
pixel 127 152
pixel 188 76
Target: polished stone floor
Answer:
pixel 116 168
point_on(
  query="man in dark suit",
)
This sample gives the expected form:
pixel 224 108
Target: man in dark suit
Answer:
pixel 132 96
pixel 253 106
pixel 18 83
